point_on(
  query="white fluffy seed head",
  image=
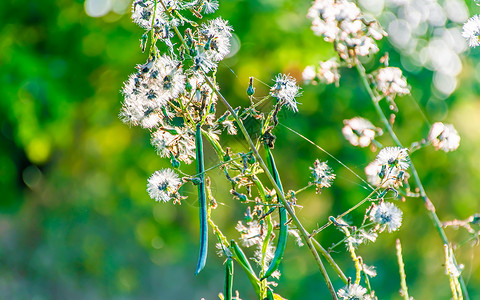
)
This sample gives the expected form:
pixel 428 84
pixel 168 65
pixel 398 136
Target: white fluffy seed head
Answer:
pixel 322 174
pixel 285 89
pixel 471 31
pixel 163 184
pixel 394 157
pixel 143 12
pixel 359 131
pixel 444 137
pixel 387 215
pixel 391 82
pixel 352 291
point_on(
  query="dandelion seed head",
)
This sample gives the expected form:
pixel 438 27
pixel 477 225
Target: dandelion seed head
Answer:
pixel 378 174
pixel 167 78
pixel 359 131
pixel 269 255
pixel 370 270
pixel 471 31
pixel 361 237
pixel 252 234
pixel 394 157
pixel 162 141
pixel 352 292
pixel 387 215
pixel 151 120
pixel 220 27
pixel 341 21
pixel 138 108
pixel 231 129
pixel 200 91
pixel 210 6
pixel 285 89
pixel 296 234
pixel 323 175
pixel 444 137
pixel 163 184
pixel 308 73
pixel 390 82
pixel 328 71
pixel 184 146
pixel 217 34
pixel 142 13
pixel 389 168
pixel 202 62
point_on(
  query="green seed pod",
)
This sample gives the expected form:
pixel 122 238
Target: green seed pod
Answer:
pixel 228 279
pixel 208 44
pixel 243 262
pixel 248 215
pixel 174 161
pixel 202 200
pixel 188 86
pixel 270 295
pixel 282 236
pixel 143 42
pixel 250 89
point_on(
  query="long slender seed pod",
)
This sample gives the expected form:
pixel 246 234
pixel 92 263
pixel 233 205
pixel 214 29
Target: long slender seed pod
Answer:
pixel 243 262
pixel 270 294
pixel 202 201
pixel 228 278
pixel 282 236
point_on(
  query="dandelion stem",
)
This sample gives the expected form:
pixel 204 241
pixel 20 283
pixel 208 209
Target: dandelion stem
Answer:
pixel 401 265
pixel 330 260
pixel 428 204
pixel 345 213
pixel 182 40
pixel 355 258
pixel 305 235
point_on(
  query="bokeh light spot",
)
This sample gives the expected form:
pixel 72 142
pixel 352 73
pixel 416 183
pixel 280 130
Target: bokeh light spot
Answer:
pixel 97 8
pixel 38 150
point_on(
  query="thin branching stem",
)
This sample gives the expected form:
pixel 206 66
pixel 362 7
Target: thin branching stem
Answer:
pixel 330 260
pixel 305 235
pixel 401 267
pixel 330 222
pixel 428 204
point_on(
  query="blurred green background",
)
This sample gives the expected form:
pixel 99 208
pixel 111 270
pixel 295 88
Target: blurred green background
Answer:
pixel 76 221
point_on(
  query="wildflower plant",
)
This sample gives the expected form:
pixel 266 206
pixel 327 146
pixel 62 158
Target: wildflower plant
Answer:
pixel 174 95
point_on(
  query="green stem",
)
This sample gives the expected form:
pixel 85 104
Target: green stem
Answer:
pixel 330 260
pixel 330 222
pixel 305 235
pixel 428 204
pixel 401 265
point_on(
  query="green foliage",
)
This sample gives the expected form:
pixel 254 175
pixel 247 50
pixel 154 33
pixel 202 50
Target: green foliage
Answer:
pixel 76 221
